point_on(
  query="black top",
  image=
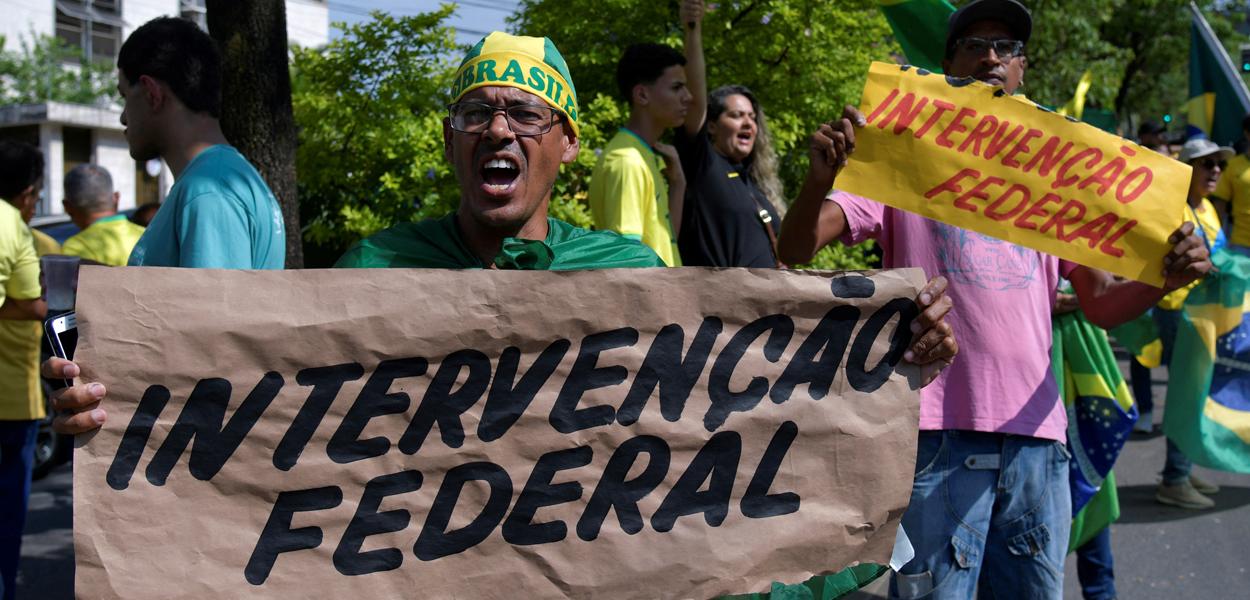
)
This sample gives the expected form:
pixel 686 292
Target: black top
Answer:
pixel 720 221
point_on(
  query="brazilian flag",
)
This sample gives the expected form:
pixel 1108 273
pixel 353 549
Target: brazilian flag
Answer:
pixel 1141 338
pixel 1100 408
pixel 1208 402
pixel 1218 99
pixel 920 28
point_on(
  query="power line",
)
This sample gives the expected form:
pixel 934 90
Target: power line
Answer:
pixel 510 9
pixel 363 11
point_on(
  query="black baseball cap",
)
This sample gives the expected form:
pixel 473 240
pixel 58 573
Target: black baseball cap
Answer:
pixel 1008 12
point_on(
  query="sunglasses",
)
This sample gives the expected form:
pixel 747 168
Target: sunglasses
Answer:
pixel 1210 164
pixel 979 46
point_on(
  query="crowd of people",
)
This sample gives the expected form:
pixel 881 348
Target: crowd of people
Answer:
pixel 990 508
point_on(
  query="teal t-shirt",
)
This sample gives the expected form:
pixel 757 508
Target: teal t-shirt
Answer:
pixel 219 214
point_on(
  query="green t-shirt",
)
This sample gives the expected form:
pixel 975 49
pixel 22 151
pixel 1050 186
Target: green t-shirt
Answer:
pixel 437 244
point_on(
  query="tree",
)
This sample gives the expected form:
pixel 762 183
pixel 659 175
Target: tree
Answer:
pixel 369 107
pixel 47 68
pixel 1156 33
pixel 805 60
pixel 1137 51
pixel 256 113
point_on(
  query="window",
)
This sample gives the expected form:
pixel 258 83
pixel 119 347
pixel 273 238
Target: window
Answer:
pixel 76 147
pixel 94 26
pixel 194 10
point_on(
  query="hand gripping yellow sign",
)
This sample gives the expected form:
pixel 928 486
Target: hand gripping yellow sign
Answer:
pixel 964 153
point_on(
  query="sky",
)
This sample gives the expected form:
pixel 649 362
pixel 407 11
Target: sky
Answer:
pixel 473 18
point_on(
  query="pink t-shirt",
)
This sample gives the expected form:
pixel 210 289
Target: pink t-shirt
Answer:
pixel 1003 294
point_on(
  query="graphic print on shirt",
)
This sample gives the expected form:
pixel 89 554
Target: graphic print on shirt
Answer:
pixel 989 263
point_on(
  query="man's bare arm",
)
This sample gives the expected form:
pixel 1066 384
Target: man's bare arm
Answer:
pixel 13 309
pixel 1108 302
pixel 811 223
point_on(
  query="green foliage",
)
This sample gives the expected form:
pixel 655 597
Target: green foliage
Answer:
pixel 369 106
pixel 1137 51
pixel 49 69
pixel 806 61
pixel 837 257
pixel 1065 44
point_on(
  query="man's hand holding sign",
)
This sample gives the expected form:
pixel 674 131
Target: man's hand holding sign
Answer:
pixel 579 452
pixel 967 181
pixel 1121 216
pixel 303 444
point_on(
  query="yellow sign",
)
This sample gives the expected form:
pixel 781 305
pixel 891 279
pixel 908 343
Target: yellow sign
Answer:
pixel 964 153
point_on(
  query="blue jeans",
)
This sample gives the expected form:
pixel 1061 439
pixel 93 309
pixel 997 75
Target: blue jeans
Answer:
pixel 989 517
pixel 1095 567
pixel 1139 377
pixel 1177 467
pixel 17 458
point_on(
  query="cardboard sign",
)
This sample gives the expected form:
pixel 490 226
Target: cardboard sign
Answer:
pixel 964 153
pixel 634 433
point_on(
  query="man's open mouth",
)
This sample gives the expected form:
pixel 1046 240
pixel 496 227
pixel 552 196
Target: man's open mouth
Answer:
pixel 500 173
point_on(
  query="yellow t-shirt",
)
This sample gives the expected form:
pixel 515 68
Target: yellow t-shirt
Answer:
pixel 21 397
pixel 108 241
pixel 629 195
pixel 1209 220
pixel 44 243
pixel 1234 186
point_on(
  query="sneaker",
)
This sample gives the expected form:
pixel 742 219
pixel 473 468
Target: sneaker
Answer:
pixel 1145 423
pixel 1183 495
pixel 1203 486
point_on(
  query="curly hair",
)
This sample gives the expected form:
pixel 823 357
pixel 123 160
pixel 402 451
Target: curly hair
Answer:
pixel 763 159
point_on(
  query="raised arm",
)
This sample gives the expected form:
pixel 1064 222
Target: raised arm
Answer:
pixel 696 71
pixel 811 223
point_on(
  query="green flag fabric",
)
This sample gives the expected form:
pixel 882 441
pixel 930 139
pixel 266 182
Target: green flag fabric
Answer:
pixel 1141 338
pixel 437 244
pixel 1101 511
pixel 828 587
pixel 1101 413
pixel 1218 99
pixel 920 28
pixel 1208 402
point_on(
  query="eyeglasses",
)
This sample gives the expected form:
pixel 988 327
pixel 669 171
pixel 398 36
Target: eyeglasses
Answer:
pixel 1210 164
pixel 1002 48
pixel 523 119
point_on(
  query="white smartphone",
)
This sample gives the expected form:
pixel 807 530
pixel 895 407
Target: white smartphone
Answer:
pixel 62 334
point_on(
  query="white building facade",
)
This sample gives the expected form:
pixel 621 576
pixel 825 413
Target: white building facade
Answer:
pixel 71 134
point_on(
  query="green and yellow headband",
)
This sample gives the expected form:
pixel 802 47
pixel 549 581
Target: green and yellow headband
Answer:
pixel 527 63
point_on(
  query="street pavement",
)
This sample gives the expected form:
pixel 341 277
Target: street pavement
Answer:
pixel 1160 552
